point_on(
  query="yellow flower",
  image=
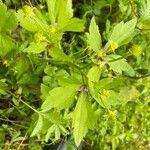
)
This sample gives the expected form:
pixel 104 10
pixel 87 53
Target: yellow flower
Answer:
pixel 136 50
pixel 5 62
pixel 39 37
pixel 106 93
pixel 52 29
pixel 28 10
pixel 41 6
pixel 112 114
pixel 113 45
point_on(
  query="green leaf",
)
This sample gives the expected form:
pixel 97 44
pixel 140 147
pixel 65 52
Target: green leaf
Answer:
pixel 31 19
pixel 92 118
pixel 3 92
pixel 122 33
pixel 80 117
pixel 104 83
pixel 3 87
pixel 124 95
pixel 50 70
pixel 27 78
pixel 3 10
pixel 127 94
pixel 112 99
pixel 109 83
pixel 22 65
pixel 93 76
pixel 66 81
pixel 55 118
pixel 64 16
pixel 36 48
pixel 74 25
pixel 60 97
pixel 121 65
pixel 94 73
pixel 10 21
pixel 52 10
pixel 94 37
pixel 38 126
pixel 6 44
pixel 44 91
pixel 65 12
pixel 58 54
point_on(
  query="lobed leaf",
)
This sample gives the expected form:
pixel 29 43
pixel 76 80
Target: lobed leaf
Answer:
pixel 94 37
pixel 122 33
pixel 121 65
pixel 31 21
pixel 60 97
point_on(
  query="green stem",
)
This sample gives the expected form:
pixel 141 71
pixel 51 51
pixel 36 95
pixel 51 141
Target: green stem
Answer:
pixel 29 106
pixel 23 102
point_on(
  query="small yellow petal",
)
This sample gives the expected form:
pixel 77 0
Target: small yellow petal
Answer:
pixel 39 37
pixel 136 50
pixel 5 62
pixel 28 10
pixel 52 29
pixel 113 45
pixel 112 114
pixel 41 6
pixel 106 93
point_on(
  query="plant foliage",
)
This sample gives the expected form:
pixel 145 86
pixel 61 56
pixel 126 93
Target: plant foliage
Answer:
pixel 75 73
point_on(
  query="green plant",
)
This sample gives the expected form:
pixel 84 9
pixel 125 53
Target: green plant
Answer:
pixel 79 79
